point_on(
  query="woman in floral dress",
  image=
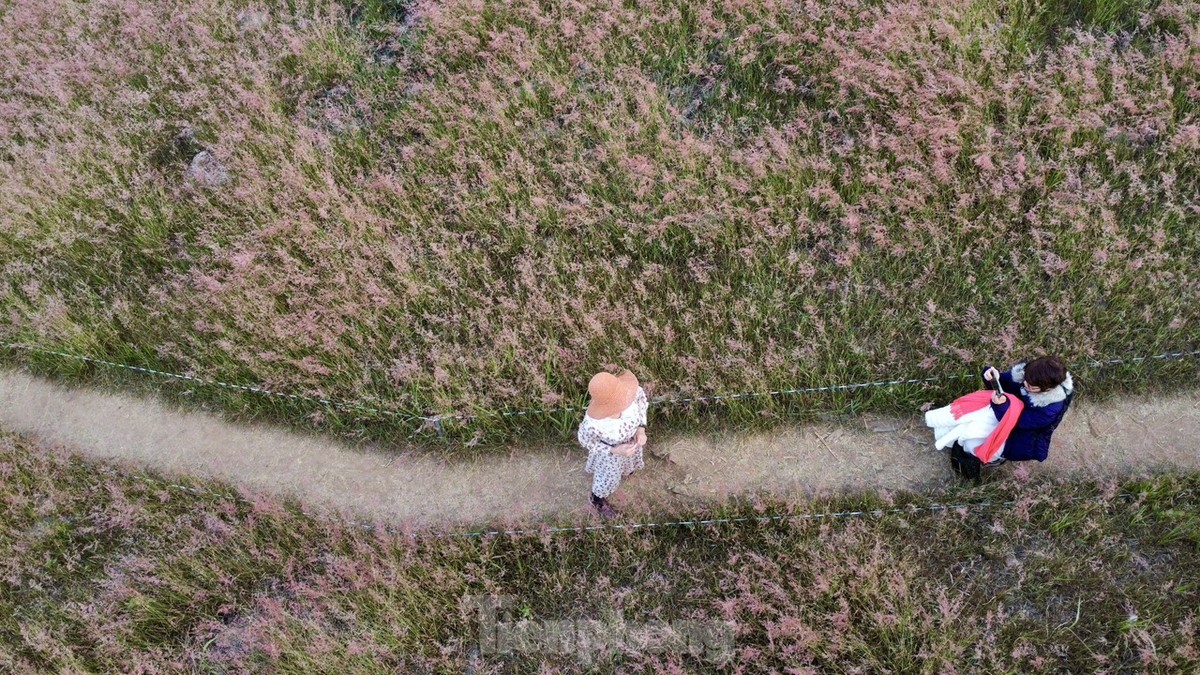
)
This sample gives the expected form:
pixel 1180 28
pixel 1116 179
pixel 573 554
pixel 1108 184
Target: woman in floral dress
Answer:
pixel 614 433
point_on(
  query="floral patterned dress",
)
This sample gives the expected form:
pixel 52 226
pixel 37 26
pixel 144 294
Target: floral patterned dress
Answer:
pixel 598 437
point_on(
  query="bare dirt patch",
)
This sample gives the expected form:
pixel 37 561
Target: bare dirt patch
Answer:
pixel 544 482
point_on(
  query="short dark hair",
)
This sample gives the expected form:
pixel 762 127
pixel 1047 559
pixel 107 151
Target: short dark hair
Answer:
pixel 1045 373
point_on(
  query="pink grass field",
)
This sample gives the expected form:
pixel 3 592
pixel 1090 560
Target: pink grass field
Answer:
pixel 469 205
pixel 106 570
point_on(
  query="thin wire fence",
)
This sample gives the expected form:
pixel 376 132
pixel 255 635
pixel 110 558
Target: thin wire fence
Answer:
pixel 708 522
pixel 687 523
pixel 436 420
pixel 579 529
pixel 351 407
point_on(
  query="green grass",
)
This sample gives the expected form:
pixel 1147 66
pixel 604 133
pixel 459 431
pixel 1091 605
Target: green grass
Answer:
pixel 1040 24
pixel 486 431
pixel 107 569
pixel 472 211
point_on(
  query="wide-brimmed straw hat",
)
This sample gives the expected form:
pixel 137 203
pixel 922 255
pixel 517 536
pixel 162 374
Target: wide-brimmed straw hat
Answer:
pixel 611 394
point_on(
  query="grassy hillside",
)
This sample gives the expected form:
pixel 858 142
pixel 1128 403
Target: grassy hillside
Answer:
pixel 447 207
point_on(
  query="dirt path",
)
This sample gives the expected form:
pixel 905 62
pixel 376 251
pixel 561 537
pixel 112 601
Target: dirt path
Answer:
pixel 548 482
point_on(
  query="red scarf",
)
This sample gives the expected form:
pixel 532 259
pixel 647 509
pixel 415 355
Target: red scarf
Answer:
pixel 978 400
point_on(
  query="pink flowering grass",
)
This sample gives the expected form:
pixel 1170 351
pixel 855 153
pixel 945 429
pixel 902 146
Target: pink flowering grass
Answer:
pixel 108 570
pixel 473 205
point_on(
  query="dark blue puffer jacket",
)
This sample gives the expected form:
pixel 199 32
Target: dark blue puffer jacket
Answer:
pixel 1030 439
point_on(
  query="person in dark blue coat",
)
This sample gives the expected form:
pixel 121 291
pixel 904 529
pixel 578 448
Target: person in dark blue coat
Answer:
pixel 1046 388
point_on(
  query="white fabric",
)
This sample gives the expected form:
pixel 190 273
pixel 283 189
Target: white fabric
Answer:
pixel 969 431
pixel 1018 373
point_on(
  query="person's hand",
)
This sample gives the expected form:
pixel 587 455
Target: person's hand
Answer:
pixel 991 374
pixel 640 438
pixel 624 449
pixel 998 398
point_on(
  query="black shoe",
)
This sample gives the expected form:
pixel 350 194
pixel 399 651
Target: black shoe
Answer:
pixel 964 463
pixel 603 508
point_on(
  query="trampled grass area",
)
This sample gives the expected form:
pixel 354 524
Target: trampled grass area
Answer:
pixel 461 206
pixel 105 570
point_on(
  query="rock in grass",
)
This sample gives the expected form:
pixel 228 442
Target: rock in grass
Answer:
pixel 688 487
pixel 659 451
pixel 206 170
